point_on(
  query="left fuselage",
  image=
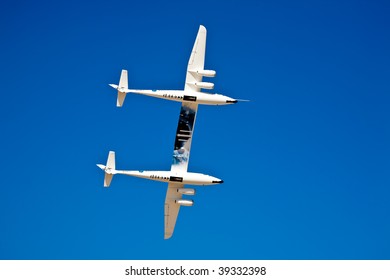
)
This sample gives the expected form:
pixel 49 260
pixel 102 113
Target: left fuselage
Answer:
pixel 189 96
pixel 188 178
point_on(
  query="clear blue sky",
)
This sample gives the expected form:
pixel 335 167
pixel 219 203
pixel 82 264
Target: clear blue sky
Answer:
pixel 306 164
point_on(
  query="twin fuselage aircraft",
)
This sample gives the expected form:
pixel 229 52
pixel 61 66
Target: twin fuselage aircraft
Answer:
pixel 190 98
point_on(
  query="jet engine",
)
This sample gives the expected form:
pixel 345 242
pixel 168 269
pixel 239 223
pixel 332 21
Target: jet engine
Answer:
pixel 184 202
pixel 204 85
pixel 205 73
pixel 186 191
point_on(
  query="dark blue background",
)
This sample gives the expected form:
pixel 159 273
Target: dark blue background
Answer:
pixel 305 163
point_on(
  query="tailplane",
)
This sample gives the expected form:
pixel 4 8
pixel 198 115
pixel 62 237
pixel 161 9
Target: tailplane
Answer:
pixel 109 169
pixel 122 88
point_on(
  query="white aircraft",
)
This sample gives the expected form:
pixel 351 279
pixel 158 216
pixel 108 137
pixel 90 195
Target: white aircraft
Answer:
pixel 176 179
pixel 190 97
pixel 193 84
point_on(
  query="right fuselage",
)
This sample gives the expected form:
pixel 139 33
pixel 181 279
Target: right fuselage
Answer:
pixel 189 96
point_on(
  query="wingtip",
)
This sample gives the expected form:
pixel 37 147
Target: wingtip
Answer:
pixel 202 28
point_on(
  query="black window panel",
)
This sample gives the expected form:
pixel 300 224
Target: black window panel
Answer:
pixel 176 179
pixel 189 98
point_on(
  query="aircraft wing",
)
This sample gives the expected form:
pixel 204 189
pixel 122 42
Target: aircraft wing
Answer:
pixel 196 61
pixel 171 208
pixel 184 131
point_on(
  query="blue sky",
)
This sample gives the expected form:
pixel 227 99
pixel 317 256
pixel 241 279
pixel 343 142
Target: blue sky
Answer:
pixel 305 163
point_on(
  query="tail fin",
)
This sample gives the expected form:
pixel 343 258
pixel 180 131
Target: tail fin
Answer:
pixel 109 169
pixel 123 82
pixel 122 88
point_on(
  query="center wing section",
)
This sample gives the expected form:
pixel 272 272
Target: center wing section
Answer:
pixel 184 132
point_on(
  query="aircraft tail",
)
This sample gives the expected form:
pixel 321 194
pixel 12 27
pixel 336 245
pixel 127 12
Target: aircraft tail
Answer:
pixel 122 88
pixel 109 168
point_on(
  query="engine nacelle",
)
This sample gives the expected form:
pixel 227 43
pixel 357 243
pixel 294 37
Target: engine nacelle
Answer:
pixel 184 202
pixel 205 73
pixel 186 191
pixel 204 85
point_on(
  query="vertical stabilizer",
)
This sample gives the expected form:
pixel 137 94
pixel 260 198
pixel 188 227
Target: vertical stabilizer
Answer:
pixel 111 161
pixel 120 99
pixel 107 179
pixel 109 169
pixel 122 88
pixel 123 83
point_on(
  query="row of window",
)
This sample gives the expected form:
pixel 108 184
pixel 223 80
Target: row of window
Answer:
pixel 185 97
pixel 172 96
pixel 159 177
pixel 172 178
